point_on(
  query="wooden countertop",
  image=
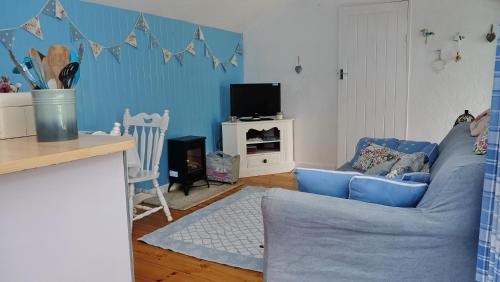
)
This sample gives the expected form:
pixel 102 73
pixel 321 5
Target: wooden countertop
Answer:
pixel 26 153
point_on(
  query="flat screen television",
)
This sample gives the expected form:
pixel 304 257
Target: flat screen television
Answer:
pixel 255 100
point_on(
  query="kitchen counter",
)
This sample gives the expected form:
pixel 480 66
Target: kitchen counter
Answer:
pixel 64 210
pixel 26 153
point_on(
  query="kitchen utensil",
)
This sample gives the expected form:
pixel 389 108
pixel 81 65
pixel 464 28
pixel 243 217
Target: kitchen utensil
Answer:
pixel 52 84
pixel 24 71
pixel 67 75
pixel 80 53
pixel 57 58
pixel 491 36
pixel 74 58
pixel 28 62
pixel 36 58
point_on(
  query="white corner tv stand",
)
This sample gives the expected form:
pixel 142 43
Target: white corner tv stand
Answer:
pixel 265 147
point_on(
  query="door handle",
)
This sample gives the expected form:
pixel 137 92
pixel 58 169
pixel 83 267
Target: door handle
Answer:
pixel 341 74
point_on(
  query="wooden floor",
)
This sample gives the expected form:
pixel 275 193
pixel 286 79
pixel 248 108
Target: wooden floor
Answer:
pixel 156 264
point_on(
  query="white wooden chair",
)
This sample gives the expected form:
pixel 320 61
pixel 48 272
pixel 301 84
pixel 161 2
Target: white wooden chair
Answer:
pixel 149 133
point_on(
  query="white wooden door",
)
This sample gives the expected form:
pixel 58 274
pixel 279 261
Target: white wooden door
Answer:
pixel 373 55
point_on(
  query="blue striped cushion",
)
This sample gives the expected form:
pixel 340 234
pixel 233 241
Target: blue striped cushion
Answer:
pixel 324 182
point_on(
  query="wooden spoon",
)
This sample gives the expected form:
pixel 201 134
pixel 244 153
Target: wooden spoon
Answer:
pixel 57 58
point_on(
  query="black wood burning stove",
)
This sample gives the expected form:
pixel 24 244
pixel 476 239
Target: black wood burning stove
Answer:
pixel 187 161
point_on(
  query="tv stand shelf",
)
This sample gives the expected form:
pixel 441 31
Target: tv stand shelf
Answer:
pixel 262 142
pixel 265 147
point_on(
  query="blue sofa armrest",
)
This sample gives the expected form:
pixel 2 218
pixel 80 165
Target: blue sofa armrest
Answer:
pixel 311 237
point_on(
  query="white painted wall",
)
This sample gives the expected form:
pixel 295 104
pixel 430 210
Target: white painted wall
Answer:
pixel 309 29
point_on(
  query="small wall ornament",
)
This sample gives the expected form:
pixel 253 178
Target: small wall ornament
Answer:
pixel 426 33
pixel 298 67
pixel 491 36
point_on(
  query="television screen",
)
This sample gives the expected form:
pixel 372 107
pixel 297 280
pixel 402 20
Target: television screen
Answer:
pixel 261 99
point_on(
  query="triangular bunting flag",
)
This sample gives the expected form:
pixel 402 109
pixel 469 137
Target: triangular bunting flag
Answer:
pixel 142 24
pixel 180 57
pixel 33 26
pixel 190 48
pixel 117 52
pixel 234 60
pixel 167 55
pixel 96 49
pixel 199 34
pixel 153 40
pixel 215 61
pixel 207 51
pixel 224 66
pixel 239 49
pixel 74 33
pixel 131 39
pixel 7 37
pixel 54 9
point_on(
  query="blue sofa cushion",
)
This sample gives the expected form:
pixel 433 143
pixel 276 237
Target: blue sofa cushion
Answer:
pixel 432 152
pixel 410 147
pixel 421 177
pixel 324 182
pixel 383 191
pixel 392 143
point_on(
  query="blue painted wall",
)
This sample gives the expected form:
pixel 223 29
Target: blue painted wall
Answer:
pixel 196 95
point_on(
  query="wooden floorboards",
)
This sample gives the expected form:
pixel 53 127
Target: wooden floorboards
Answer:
pixel 156 264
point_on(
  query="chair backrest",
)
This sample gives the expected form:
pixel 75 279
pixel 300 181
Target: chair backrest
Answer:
pixel 148 131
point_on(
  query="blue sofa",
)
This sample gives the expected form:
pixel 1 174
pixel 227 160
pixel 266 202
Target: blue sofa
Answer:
pixel 311 237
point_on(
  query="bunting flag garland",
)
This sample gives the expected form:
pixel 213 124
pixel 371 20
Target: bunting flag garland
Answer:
pixel 75 34
pixel 117 52
pixel 167 55
pixel 199 34
pixel 239 49
pixel 153 40
pixel 142 24
pixel 234 61
pixel 131 39
pixel 33 26
pixel 215 61
pixel 96 48
pixel 7 37
pixel 180 57
pixel 207 52
pixel 54 9
pixel 190 48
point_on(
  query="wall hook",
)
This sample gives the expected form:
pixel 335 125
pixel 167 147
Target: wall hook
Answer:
pixel 427 33
pixel 298 68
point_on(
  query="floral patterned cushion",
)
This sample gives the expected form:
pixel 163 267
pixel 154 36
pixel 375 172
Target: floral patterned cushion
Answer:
pixel 481 144
pixel 374 155
pixel 480 123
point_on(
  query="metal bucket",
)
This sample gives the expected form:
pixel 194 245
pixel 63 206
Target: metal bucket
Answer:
pixel 55 114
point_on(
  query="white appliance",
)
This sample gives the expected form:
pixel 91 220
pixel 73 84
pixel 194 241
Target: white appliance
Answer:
pixel 16 115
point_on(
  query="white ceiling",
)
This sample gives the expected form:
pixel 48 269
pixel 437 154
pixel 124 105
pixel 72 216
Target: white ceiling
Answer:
pixel 231 15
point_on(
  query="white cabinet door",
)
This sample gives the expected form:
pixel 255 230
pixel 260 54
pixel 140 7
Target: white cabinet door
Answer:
pixel 373 55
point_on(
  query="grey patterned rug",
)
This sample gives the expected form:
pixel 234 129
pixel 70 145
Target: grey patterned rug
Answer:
pixel 229 231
